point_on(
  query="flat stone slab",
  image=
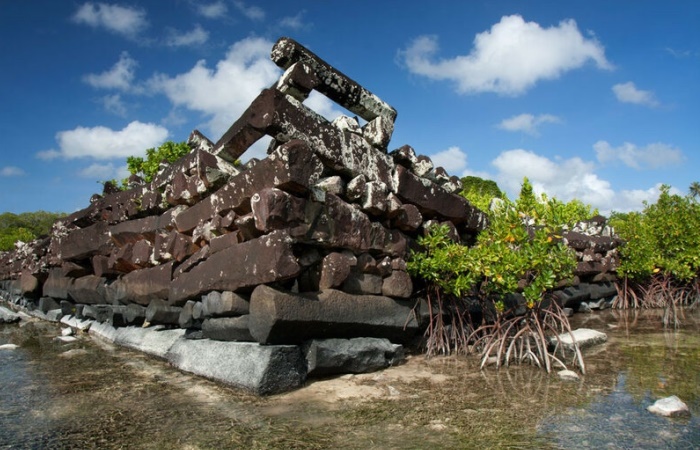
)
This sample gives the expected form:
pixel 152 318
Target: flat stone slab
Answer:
pixel 78 324
pixel 261 369
pixel 154 341
pixel 669 407
pixel 585 337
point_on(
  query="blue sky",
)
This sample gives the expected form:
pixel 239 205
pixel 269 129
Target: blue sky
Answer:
pixel 593 100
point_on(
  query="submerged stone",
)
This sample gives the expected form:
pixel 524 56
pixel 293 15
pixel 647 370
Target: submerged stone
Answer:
pixel 669 407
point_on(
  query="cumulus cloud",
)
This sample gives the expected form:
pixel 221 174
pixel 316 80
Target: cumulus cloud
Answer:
pixel 527 123
pixel 223 92
pixel 103 143
pixel 453 159
pixel 97 170
pixel 251 12
pixel 123 20
pixel 628 93
pixel 293 22
pixel 114 104
pixel 120 76
pixel 11 171
pixel 196 36
pixel 651 156
pixel 212 10
pixel 565 179
pixel 508 59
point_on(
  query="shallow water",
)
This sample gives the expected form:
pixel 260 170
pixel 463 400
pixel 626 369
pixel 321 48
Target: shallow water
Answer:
pixel 89 394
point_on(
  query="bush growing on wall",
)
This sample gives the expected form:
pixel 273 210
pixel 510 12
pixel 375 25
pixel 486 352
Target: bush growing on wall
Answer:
pixel 660 261
pixel 148 167
pixel 664 237
pixel 520 251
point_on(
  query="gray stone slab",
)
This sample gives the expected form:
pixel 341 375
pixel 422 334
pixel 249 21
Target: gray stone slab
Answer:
pixel 585 337
pixel 358 355
pixel 263 370
pixel 8 316
pixel 78 324
pixel 154 341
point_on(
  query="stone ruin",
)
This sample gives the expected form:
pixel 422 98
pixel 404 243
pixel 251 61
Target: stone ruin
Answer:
pixel 262 274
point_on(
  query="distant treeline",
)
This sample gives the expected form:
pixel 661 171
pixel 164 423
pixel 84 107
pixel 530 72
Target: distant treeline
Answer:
pixel 25 227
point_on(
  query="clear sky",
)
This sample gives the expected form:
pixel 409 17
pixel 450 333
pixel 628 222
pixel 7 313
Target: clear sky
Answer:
pixel 595 100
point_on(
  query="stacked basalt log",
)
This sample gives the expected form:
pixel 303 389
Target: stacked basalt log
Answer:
pixel 308 243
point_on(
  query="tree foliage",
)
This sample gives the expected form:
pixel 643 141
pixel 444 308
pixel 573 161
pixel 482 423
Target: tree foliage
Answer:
pixel 663 238
pixel 520 250
pixel 148 167
pixel 25 227
pixel 480 192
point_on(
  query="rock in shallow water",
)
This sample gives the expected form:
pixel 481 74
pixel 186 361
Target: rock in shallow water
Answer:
pixel 7 316
pixel 584 337
pixel 568 375
pixel 669 407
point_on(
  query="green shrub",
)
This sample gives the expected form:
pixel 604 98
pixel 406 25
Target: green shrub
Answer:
pixel 147 168
pixel 24 227
pixel 660 260
pixel 520 251
pixel 664 237
pixel 480 192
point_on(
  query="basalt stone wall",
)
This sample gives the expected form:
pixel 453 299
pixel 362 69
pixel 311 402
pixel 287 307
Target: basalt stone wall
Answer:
pixel 308 244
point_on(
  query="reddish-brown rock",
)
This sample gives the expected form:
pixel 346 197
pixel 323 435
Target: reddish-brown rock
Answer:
pixel 264 260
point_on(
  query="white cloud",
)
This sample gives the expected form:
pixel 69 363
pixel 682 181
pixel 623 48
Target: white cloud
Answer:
pixel 196 36
pixel 293 22
pixel 213 10
pixel 510 58
pixel 651 156
pixel 224 92
pixel 11 171
pixel 527 123
pixel 118 19
pixel 114 104
pixel 628 93
pixel 119 76
pixel 251 12
pixel 104 143
pixel 565 179
pixel 97 170
pixel 323 106
pixel 454 160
